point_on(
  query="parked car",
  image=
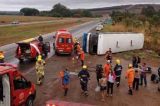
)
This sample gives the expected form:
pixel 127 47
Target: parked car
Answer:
pixel 29 49
pixel 15 89
pixel 99 27
pixel 63 42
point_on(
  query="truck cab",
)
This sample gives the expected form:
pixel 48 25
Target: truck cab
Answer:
pixel 15 89
pixel 63 42
pixel 29 49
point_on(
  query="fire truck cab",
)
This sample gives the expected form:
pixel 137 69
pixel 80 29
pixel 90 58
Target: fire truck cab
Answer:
pixel 15 90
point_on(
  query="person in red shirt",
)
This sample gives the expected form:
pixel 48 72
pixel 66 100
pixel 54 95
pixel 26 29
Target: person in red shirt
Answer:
pixel 82 56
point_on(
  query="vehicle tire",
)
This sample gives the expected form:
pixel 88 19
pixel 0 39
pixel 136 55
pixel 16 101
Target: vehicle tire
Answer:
pixel 56 53
pixel 29 101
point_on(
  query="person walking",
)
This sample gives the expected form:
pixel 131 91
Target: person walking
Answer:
pixel 107 67
pixel 111 79
pixel 40 69
pixel 130 77
pixel 1 57
pixel 82 57
pixel 84 77
pixel 136 80
pixel 118 71
pixel 103 86
pixel 99 72
pixel 143 75
pixel 65 80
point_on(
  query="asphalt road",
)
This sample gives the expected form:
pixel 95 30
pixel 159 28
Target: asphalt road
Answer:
pixel 10 49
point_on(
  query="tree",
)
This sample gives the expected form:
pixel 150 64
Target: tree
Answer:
pixel 86 13
pixel 60 10
pixel 149 11
pixel 29 11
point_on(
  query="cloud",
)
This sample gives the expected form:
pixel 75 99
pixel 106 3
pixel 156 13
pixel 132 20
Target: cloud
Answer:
pixel 16 5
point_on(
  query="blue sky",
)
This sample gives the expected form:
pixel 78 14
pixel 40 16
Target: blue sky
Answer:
pixel 16 5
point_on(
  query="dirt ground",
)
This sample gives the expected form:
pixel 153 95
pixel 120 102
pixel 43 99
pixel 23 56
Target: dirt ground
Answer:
pixel 51 88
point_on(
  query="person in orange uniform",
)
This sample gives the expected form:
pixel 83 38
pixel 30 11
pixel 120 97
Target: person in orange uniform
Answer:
pixel 130 76
pixel 82 56
pixel 107 68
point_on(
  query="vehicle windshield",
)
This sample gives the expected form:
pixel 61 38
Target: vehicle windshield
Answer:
pixel 69 40
pixel 61 40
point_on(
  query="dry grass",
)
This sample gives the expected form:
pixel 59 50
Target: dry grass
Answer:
pixel 5 19
pixel 12 34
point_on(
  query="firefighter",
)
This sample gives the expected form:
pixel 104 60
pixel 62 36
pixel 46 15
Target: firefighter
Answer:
pixel 130 76
pixel 84 77
pixel 118 71
pixel 107 68
pixel 82 56
pixel 1 57
pixel 40 69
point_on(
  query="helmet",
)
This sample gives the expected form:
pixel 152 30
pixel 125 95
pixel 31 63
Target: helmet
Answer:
pixel 130 65
pixel 118 61
pixel 39 58
pixel 84 67
pixel 108 61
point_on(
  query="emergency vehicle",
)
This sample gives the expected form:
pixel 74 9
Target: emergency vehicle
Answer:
pixel 63 42
pixel 15 90
pixel 30 49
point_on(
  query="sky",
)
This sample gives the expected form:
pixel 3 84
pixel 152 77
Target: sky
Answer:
pixel 16 5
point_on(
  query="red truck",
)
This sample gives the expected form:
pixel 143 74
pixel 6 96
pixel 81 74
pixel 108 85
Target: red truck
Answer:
pixel 63 42
pixel 15 90
pixel 30 49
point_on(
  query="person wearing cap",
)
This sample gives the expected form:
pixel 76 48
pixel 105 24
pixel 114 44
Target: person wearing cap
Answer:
pixel 130 73
pixel 118 70
pixel 84 77
pixel 40 69
pixel 82 56
pixel 107 67
pixel 1 57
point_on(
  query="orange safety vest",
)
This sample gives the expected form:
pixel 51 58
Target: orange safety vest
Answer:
pixel 130 75
pixel 106 69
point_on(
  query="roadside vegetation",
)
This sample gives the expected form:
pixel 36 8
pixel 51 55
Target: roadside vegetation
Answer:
pixel 11 34
pixel 148 22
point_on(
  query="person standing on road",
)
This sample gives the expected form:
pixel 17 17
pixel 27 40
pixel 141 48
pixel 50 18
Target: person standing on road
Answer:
pixel 109 55
pixel 103 86
pixel 40 69
pixel 130 76
pixel 143 75
pixel 84 77
pixel 82 57
pixel 135 62
pixel 118 71
pixel 1 57
pixel 111 79
pixel 136 80
pixel 99 72
pixel 107 67
pixel 65 80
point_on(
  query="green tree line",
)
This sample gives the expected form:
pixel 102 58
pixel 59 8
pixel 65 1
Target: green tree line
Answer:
pixel 58 10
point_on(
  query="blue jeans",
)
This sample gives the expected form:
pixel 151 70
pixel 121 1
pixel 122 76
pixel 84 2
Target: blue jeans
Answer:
pixel 143 78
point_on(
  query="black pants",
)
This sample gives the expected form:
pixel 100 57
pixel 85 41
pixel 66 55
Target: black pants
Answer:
pixel 110 87
pixel 143 78
pixel 84 86
pixel 82 62
pixel 1 60
pixel 136 83
pixel 98 78
pixel 118 79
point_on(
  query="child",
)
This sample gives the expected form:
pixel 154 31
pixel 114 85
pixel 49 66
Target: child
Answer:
pixel 136 80
pixel 103 86
pixel 111 79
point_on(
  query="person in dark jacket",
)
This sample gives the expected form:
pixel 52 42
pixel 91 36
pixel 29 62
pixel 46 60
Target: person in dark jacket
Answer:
pixel 99 72
pixel 118 71
pixel 135 62
pixel 84 77
pixel 159 72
